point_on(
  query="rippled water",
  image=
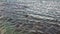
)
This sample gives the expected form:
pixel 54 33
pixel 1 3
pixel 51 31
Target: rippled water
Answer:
pixel 30 15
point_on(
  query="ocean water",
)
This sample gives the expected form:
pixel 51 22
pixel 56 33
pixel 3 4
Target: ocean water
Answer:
pixel 30 17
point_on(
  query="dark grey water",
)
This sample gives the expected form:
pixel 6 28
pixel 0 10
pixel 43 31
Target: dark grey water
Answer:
pixel 33 11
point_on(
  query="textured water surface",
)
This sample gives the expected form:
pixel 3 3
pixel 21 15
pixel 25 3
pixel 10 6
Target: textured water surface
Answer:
pixel 30 17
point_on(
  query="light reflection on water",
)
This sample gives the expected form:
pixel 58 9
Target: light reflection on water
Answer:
pixel 34 8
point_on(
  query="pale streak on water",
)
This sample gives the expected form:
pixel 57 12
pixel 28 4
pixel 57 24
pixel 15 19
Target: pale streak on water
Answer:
pixel 46 12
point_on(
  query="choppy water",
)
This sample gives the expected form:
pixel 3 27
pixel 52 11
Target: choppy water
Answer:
pixel 44 14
